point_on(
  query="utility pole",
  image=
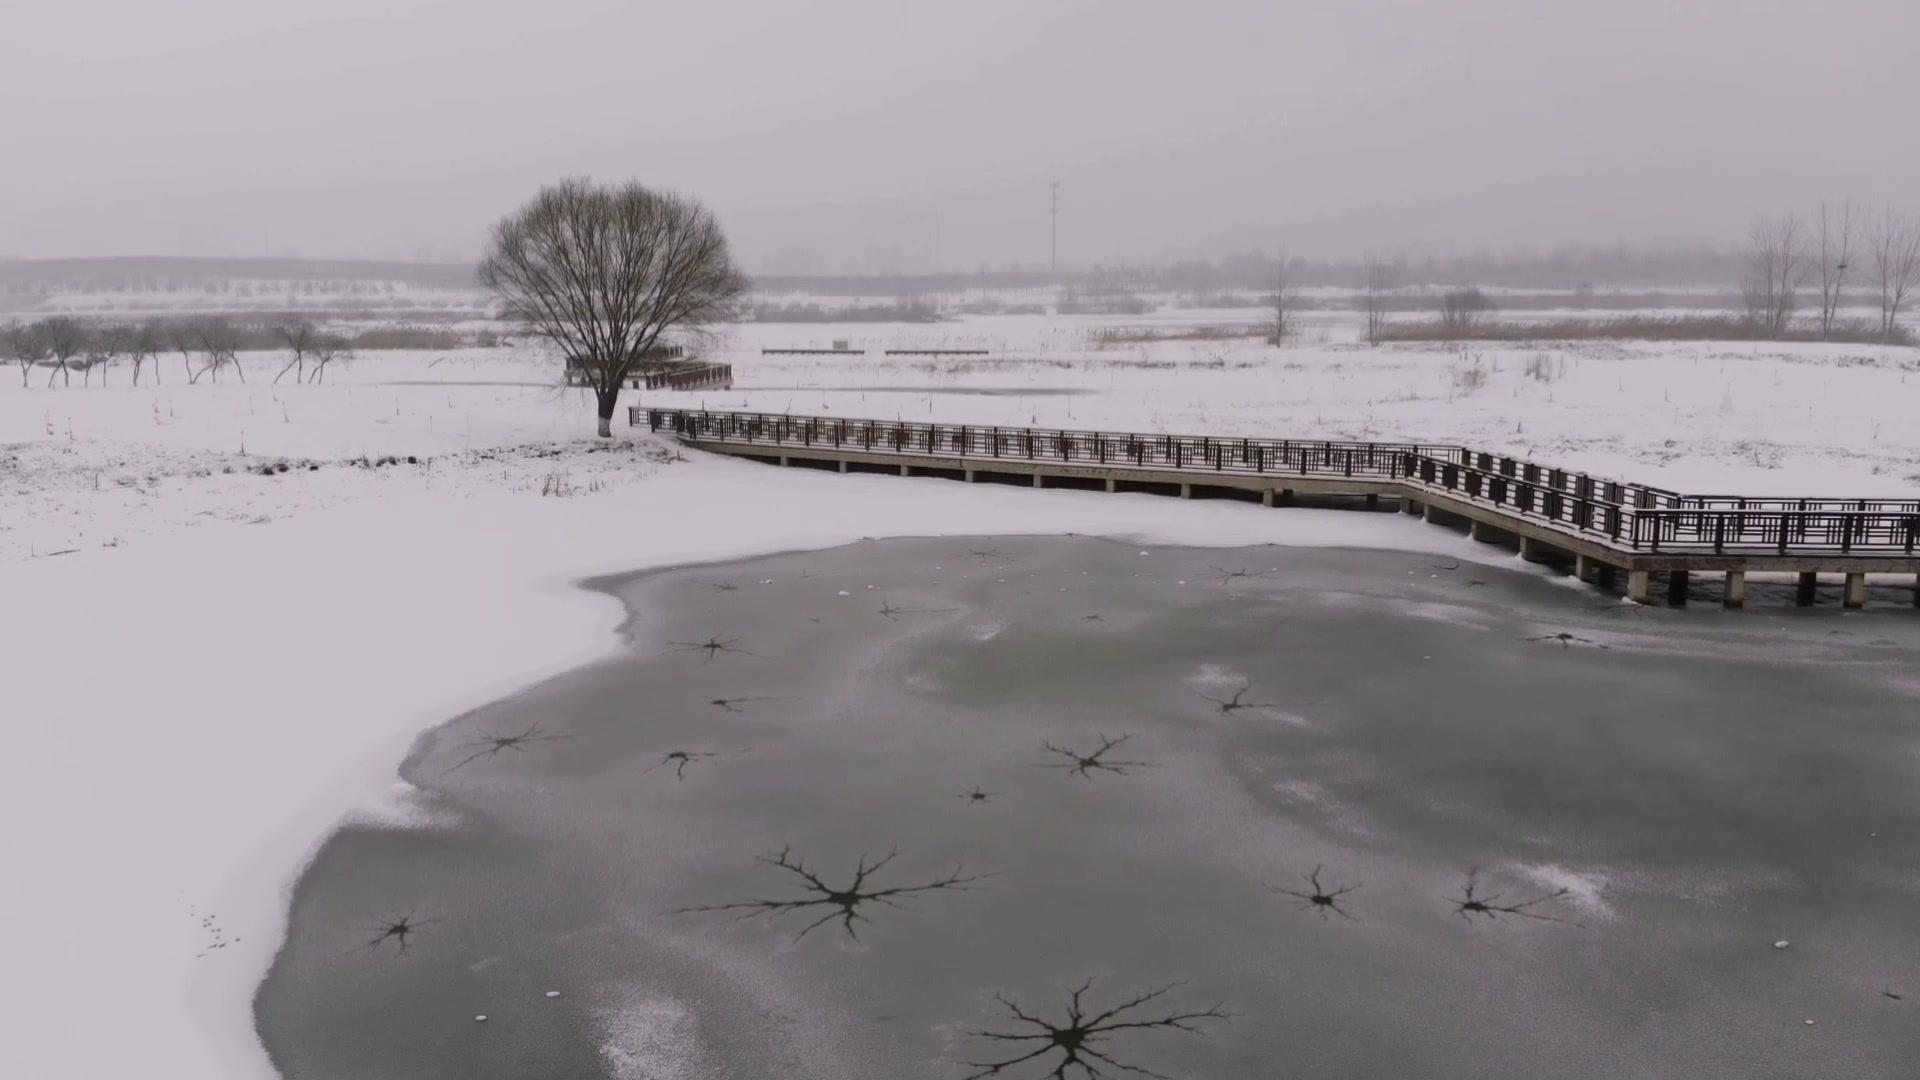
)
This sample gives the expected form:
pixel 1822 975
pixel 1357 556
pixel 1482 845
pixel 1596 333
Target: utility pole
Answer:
pixel 1054 258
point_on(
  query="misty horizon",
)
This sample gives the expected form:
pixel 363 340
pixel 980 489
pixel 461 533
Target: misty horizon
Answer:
pixel 867 137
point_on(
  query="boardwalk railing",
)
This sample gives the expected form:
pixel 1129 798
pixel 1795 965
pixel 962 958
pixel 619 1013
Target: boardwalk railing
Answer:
pixel 1618 514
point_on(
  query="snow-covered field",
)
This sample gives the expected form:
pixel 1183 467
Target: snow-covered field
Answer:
pixel 209 660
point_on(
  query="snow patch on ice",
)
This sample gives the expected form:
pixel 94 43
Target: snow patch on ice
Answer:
pixel 1583 887
pixel 986 631
pixel 652 1038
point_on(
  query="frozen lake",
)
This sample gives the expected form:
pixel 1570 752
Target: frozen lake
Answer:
pixel 1536 855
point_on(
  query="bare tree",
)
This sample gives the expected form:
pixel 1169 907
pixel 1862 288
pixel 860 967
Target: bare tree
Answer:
pixel 326 349
pixel 184 337
pixel 1894 241
pixel 218 338
pixel 104 346
pixel 1376 283
pixel 1463 309
pixel 299 334
pixel 1836 258
pixel 27 345
pixel 1776 268
pixel 603 272
pixel 64 337
pixel 144 342
pixel 1284 299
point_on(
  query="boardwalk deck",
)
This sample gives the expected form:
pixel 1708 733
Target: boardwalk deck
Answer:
pixel 1599 522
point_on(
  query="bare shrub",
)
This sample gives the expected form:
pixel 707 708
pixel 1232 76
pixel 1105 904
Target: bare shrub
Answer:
pixel 1464 309
pixel 1545 367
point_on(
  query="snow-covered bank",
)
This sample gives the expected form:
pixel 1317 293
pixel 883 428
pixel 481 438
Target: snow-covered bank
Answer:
pixel 190 714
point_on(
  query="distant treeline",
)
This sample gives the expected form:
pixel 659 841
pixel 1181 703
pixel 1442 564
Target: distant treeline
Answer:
pixel 1646 328
pixel 182 274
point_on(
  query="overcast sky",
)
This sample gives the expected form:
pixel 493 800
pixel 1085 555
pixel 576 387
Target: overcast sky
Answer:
pixel 897 135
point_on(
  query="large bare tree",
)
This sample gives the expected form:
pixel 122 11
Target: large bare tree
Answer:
pixel 1894 241
pixel 327 349
pixel 1776 268
pixel 603 272
pixel 1837 230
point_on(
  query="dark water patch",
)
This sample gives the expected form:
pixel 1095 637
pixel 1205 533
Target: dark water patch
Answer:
pixel 890 809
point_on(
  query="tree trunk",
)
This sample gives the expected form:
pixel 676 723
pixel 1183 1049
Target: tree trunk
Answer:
pixel 237 369
pixel 606 397
pixel 136 371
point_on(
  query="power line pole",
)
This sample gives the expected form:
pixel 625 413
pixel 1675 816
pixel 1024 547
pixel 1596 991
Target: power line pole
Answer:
pixel 1054 259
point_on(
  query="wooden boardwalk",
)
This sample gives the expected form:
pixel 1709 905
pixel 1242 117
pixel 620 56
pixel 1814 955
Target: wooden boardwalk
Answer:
pixel 1601 526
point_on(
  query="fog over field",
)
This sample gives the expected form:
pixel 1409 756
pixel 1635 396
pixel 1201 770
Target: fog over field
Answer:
pixel 875 136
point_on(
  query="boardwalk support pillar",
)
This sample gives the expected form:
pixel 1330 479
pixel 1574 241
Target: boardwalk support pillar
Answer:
pixel 1485 532
pixel 843 464
pixel 1736 596
pixel 1432 516
pixel 1039 480
pixel 1112 485
pixel 1266 497
pixel 906 470
pixel 1408 506
pixel 1677 588
pixel 967 475
pixel 1586 569
pixel 1856 591
pixel 1532 550
pixel 785 460
pixel 1186 491
pixel 1639 586
pixel 1803 592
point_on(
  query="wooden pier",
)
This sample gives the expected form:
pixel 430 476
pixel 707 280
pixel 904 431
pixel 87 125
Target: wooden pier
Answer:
pixel 1599 526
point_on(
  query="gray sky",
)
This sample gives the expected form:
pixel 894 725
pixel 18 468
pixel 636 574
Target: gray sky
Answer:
pixel 897 135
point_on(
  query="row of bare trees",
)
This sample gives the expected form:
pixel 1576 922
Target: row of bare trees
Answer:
pixel 1785 253
pixel 65 344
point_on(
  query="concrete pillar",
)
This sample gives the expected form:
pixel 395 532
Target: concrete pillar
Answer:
pixel 1431 515
pixel 1186 491
pixel 1112 485
pixel 1803 592
pixel 906 470
pixel 1483 532
pixel 1736 589
pixel 1677 588
pixel 1408 506
pixel 1532 550
pixel 1039 480
pixel 1585 569
pixel 1266 497
pixel 967 475
pixel 785 460
pixel 1856 591
pixel 843 465
pixel 1639 586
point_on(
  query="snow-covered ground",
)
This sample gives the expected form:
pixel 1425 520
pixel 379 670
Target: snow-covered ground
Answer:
pixel 209 660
